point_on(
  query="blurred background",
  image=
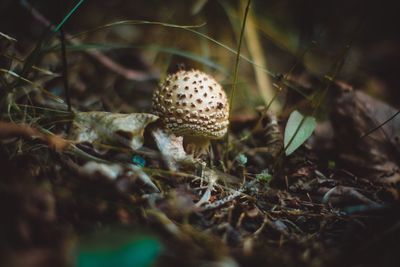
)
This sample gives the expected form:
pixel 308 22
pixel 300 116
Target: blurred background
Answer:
pixel 353 41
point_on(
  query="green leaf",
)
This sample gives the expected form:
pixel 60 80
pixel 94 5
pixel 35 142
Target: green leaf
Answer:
pixel 298 130
pixel 140 251
pixel 264 176
pixel 241 159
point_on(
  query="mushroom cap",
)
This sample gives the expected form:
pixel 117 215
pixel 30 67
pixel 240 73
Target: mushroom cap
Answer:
pixel 192 103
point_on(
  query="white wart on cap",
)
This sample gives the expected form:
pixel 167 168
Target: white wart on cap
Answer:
pixel 192 104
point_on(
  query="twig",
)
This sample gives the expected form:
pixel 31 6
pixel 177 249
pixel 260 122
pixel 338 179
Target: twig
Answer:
pixel 229 198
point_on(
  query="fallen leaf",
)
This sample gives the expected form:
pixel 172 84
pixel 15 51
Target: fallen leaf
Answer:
pixel 298 130
pixel 110 128
pixel 374 154
pixel 171 148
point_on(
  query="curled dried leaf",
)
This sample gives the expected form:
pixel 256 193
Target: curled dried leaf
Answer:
pixel 110 128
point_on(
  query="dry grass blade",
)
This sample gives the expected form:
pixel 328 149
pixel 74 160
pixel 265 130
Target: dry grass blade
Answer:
pixel 96 54
pixel 35 85
pixel 9 38
pixel 257 54
pixel 235 74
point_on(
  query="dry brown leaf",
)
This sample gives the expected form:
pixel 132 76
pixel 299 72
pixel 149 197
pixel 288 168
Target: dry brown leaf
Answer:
pixel 110 128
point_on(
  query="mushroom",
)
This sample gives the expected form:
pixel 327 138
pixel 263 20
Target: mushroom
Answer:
pixel 193 105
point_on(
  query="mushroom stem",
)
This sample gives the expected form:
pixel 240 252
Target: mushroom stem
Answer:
pixel 196 145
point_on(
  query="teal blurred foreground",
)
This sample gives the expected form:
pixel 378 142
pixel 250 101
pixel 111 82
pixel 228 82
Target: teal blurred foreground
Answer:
pixel 141 251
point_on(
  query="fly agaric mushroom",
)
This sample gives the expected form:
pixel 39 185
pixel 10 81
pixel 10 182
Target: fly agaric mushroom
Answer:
pixel 192 104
